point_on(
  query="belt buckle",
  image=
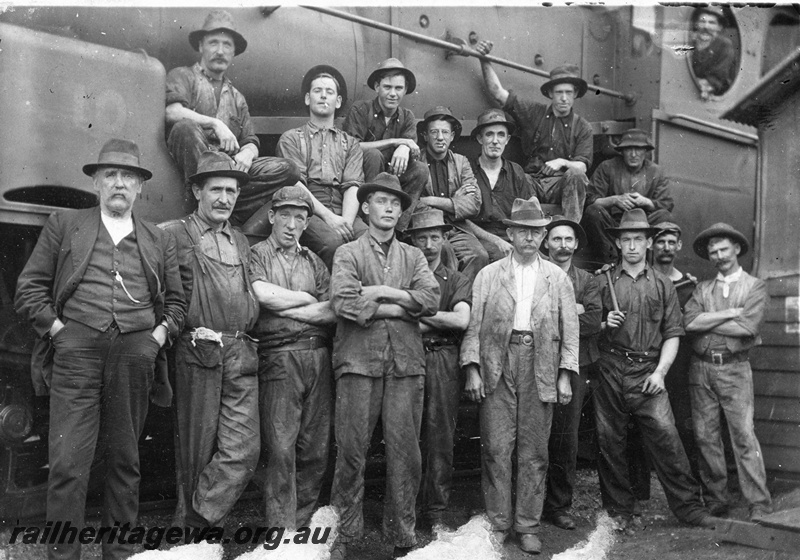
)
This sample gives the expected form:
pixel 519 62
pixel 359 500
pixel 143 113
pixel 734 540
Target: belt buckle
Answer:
pixel 716 358
pixel 527 339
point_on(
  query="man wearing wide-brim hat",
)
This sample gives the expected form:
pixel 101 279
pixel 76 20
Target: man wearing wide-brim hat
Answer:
pixel 638 343
pixel 629 180
pixel 519 352
pixel 387 131
pixel 204 111
pixel 556 141
pixel 725 315
pixel 713 56
pixel 215 361
pixel 102 290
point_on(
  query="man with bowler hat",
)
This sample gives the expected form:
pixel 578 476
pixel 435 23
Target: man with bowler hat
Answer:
pixel 520 351
pixel 215 359
pixel 103 292
pixel 557 142
pixel 725 314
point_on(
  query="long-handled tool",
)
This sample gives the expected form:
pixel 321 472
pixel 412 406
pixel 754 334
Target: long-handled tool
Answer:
pixel 607 268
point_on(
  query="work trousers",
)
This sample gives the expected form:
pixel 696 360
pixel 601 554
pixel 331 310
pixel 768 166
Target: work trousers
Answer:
pixel 216 395
pixel 99 391
pixel 567 190
pixel 443 385
pixel 323 240
pixel 597 220
pixel 619 399
pixel 295 387
pixel 469 251
pixel 412 181
pixel 728 389
pixel 563 447
pixel 398 402
pixel 514 416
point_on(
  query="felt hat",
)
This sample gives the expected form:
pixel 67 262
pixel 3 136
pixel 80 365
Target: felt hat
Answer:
pixel 427 219
pixel 491 117
pixel 634 220
pixel 293 195
pixel 440 113
pixel 720 229
pixel 667 227
pixel 118 153
pixel 392 65
pixel 218 20
pixel 217 164
pixel 567 74
pixel 527 213
pixel 384 182
pixel 635 138
pixel 711 10
pixel 576 227
pixel 315 71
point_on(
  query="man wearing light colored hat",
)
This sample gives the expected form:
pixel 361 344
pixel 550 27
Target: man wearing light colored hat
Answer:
pixel 557 142
pixel 380 289
pixel 441 337
pixel 388 132
pixel 103 292
pixel 622 183
pixel 520 351
pixel 713 56
pixel 206 112
pixel 638 342
pixel 725 314
pixel 295 378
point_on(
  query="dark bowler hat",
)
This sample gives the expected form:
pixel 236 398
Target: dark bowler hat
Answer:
pixel 427 219
pixel 389 65
pixel 635 138
pixel 218 20
pixel 634 220
pixel 217 164
pixel 293 195
pixel 715 11
pixel 443 114
pixel 384 182
pixel 576 227
pixel 491 117
pixel 667 227
pixel 315 71
pixel 720 229
pixel 527 213
pixel 118 153
pixel 567 74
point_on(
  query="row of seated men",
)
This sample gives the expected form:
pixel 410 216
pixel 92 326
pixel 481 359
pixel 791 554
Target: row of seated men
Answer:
pixel 250 331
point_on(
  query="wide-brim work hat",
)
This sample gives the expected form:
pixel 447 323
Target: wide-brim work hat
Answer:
pixel 562 221
pixel 219 20
pixel 217 164
pixel 427 219
pixel 711 10
pixel 635 138
pixel 384 182
pixel 720 229
pixel 663 228
pixel 567 74
pixel 315 71
pixel 392 65
pixel 527 213
pixel 440 113
pixel 293 195
pixel 634 220
pixel 492 117
pixel 119 153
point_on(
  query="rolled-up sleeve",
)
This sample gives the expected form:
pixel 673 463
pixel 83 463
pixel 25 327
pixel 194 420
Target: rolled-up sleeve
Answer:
pixel 179 86
pixel 353 174
pixel 346 299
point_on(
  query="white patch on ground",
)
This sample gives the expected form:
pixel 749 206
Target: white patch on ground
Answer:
pixel 199 551
pixel 322 519
pixel 597 547
pixel 472 540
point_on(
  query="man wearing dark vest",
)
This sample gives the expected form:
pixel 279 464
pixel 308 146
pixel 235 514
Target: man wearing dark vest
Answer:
pixel 216 361
pixel 103 292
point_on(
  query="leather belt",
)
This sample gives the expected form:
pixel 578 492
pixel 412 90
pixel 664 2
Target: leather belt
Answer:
pixel 210 335
pixel 722 358
pixel 633 357
pixel 431 343
pixel 521 337
pixel 310 343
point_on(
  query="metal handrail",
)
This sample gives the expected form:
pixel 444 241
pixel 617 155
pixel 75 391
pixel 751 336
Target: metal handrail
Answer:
pixel 460 49
pixel 713 126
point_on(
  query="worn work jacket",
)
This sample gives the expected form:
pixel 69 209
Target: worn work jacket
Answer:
pixel 459 177
pixel 554 322
pixel 613 177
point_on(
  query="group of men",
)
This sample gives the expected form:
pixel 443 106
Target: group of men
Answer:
pixel 251 329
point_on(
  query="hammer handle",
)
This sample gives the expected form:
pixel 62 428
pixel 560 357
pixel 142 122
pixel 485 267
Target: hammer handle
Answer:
pixel 614 301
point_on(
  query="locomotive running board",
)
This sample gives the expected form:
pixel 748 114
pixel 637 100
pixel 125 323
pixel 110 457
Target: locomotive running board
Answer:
pixel 778 531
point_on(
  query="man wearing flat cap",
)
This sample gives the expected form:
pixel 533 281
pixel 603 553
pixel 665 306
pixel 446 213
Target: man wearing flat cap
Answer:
pixel 294 375
pixel 206 112
pixel 557 142
pixel 388 131
pixel 330 162
pixel 215 359
pixel 725 315
pixel 380 289
pixel 103 292
pixel 639 338
pixel 622 183
pixel 500 181
pixel 520 351
pixel 441 337
pixel 713 56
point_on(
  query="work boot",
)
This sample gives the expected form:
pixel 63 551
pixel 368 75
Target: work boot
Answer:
pixel 562 520
pixel 530 543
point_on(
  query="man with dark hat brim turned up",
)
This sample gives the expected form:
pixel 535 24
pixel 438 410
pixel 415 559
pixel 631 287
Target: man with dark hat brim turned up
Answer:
pixel 714 56
pixel 520 352
pixel 205 112
pixel 380 288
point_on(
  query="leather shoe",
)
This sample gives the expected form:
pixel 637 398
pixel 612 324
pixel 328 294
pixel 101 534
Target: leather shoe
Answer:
pixel 530 543
pixel 709 522
pixel 563 520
